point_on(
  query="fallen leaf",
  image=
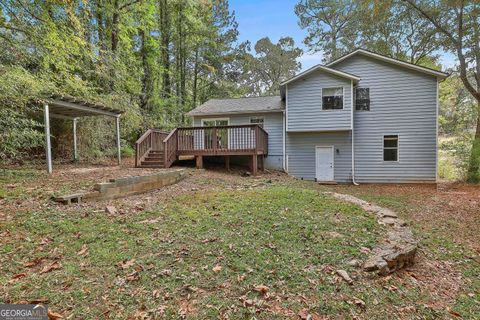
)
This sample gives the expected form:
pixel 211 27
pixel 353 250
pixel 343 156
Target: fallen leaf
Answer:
pixel 454 313
pixel 304 314
pixel 17 276
pixel 33 263
pixel 52 266
pixel 127 264
pixel 359 302
pixel 46 240
pixel 209 240
pixel 165 272
pixel 217 268
pixel 83 251
pixel 261 288
pixel 240 278
pixel 134 276
pixel 54 315
pixel 156 294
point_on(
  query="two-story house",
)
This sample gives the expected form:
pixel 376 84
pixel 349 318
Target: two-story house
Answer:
pixel 364 117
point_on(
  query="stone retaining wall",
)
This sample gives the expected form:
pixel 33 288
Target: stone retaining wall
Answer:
pixel 398 249
pixel 126 186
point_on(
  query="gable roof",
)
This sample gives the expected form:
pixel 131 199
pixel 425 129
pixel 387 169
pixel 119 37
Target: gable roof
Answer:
pixel 239 105
pixel 320 67
pixel 438 74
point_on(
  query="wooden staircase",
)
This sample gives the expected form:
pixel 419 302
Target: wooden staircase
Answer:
pixel 150 149
pixel 153 159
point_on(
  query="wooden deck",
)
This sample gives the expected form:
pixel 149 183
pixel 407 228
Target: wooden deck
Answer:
pixel 158 149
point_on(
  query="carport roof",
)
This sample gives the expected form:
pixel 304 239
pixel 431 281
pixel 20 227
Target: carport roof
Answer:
pixel 68 107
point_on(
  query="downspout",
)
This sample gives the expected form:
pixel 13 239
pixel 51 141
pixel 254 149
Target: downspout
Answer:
pixel 353 136
pixel 285 115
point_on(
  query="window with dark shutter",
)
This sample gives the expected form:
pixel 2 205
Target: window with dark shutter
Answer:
pixel 332 98
pixel 362 99
pixel 390 148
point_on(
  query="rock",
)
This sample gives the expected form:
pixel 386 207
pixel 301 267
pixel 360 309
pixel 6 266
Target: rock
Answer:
pixel 387 221
pixel 245 173
pixel 344 275
pixel 387 213
pixel 111 210
pixel 354 263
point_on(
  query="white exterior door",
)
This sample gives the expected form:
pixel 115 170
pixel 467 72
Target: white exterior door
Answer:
pixel 324 163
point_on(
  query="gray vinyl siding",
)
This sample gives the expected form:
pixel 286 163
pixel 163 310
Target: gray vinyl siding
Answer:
pixel 300 150
pixel 403 103
pixel 304 104
pixel 273 125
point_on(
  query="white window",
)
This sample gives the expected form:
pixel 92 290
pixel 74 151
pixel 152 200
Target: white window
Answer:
pixel 332 98
pixel 257 120
pixel 390 148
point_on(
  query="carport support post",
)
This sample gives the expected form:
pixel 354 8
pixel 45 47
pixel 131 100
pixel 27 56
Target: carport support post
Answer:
pixel 46 115
pixel 119 152
pixel 75 155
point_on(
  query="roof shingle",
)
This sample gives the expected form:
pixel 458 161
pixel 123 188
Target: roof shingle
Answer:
pixel 239 105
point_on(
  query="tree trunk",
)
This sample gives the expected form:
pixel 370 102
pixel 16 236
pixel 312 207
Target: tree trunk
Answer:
pixel 473 174
pixel 195 79
pixel 164 49
pixel 115 20
pixel 146 71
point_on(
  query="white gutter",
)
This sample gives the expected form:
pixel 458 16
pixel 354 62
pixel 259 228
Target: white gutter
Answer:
pixel 353 136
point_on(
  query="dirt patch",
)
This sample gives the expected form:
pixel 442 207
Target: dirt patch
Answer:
pixel 454 208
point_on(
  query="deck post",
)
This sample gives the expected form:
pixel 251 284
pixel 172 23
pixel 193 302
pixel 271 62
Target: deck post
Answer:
pixel 262 165
pixel 75 154
pixel 119 151
pixel 254 165
pixel 199 162
pixel 227 163
pixel 46 115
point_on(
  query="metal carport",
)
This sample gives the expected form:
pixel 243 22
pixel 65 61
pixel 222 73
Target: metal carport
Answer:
pixel 70 108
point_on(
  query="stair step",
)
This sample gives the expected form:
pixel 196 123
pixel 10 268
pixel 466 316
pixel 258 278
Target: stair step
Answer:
pixel 143 165
pixel 152 161
pixel 154 157
pixel 148 159
pixel 156 152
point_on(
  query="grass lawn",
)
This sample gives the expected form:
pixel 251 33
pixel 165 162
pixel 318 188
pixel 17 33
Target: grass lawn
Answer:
pixel 258 248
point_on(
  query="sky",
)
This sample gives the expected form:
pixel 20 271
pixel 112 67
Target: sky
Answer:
pixel 275 19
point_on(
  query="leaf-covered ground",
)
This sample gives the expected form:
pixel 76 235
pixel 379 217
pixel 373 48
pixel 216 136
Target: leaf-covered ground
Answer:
pixel 217 246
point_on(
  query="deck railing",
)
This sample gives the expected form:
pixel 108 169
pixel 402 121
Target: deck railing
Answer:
pixel 222 140
pixel 250 139
pixel 152 139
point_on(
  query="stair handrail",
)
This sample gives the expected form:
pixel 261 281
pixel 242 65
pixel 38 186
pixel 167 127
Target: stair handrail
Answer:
pixel 170 146
pixel 144 144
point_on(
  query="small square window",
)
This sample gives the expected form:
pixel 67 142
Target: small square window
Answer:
pixel 332 98
pixel 362 99
pixel 257 120
pixel 390 148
